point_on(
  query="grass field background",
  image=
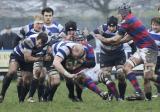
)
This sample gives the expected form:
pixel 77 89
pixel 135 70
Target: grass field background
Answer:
pixel 61 103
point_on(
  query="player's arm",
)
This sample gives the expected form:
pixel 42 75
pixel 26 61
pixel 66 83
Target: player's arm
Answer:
pixel 133 46
pixel 57 62
pixel 115 39
pixel 126 39
pixel 29 58
pixel 62 54
pixel 118 38
pixel 28 46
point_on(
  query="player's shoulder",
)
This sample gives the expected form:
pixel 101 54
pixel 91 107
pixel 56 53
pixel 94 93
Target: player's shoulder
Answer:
pixel 29 26
pixel 29 42
pixel 88 47
pixel 32 36
pixel 56 23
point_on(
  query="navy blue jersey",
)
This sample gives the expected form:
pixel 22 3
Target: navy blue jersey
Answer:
pixel 108 48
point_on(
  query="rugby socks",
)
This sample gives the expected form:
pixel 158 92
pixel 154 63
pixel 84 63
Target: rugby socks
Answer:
pixel 52 92
pixel 122 89
pixel 79 92
pixel 33 87
pixel 40 91
pixel 132 78
pixel 46 93
pixel 70 86
pixel 24 91
pixel 6 82
pixel 88 82
pixel 148 96
pixel 19 89
pixel 112 88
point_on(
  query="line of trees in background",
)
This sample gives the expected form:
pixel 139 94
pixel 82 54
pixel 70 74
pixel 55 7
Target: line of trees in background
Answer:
pixel 99 5
pixel 103 5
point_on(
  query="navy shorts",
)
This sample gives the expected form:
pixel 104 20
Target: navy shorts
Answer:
pixel 109 60
pixel 24 66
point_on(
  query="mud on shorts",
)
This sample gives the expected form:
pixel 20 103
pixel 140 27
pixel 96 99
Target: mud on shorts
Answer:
pixel 93 73
pixel 147 55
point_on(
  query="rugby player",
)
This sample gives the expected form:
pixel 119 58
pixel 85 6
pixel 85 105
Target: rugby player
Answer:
pixel 155 33
pixel 147 52
pixel 22 58
pixel 53 80
pixel 112 55
pixel 81 56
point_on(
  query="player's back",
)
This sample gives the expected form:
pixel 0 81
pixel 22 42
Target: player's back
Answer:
pixel 62 47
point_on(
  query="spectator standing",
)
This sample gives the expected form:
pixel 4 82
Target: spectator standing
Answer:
pixel 8 39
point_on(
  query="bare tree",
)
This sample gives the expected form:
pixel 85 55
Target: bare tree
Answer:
pixel 44 3
pixel 99 5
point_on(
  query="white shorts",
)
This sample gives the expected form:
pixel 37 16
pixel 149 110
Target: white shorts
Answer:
pixel 93 73
pixel 146 55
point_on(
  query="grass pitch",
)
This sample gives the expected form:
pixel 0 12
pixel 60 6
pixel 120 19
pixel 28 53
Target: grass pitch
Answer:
pixel 61 103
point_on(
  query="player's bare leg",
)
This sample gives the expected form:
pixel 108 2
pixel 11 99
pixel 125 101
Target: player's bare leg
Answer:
pixel 8 78
pixel 82 80
pixel 26 81
pixel 106 79
pixel 131 76
pixel 121 81
pixel 53 83
pixel 41 84
pixel 34 83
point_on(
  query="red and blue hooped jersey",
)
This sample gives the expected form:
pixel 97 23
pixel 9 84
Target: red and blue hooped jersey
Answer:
pixel 90 57
pixel 134 27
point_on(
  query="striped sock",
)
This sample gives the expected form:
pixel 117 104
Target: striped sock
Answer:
pixel 88 82
pixel 112 87
pixel 132 78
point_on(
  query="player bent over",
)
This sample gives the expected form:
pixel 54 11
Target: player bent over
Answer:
pixel 76 52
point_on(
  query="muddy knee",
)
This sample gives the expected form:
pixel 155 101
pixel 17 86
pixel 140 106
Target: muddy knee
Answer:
pixel 120 75
pixel 149 71
pixel 27 77
pixel 36 72
pixel 105 76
